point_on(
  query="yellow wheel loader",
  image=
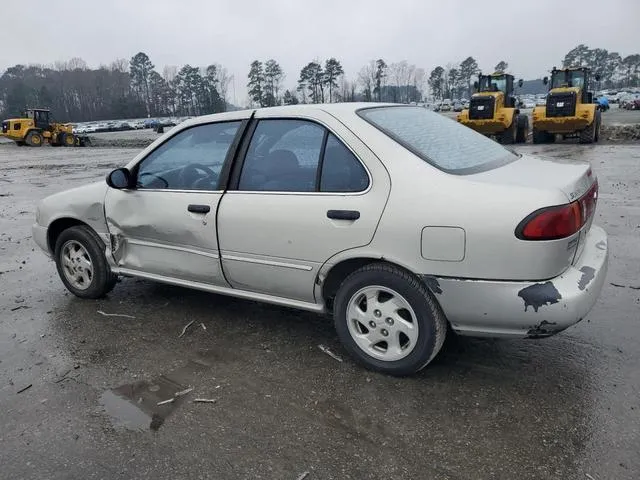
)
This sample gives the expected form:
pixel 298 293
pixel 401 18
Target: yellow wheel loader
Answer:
pixel 493 110
pixel 570 109
pixel 35 128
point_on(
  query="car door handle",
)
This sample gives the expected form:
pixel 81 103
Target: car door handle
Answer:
pixel 343 214
pixel 199 208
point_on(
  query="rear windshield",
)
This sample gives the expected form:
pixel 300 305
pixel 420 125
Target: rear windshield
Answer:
pixel 438 140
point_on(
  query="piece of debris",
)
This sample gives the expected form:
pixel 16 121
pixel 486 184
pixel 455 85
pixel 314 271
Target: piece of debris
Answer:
pixel 329 352
pixel 19 307
pixel 115 314
pixel 164 402
pixel 634 288
pixel 183 392
pixel 184 330
pixel 302 476
pixel 203 327
pixel 25 388
pixel 589 476
pixel 617 285
pixel 204 400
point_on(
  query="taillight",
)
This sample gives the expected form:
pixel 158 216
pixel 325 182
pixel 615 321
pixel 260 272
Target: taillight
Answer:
pixel 561 221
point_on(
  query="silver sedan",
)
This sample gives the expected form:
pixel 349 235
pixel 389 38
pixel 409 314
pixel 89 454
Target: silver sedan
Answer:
pixel 396 220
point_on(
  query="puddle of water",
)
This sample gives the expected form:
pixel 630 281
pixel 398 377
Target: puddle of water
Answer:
pixel 135 406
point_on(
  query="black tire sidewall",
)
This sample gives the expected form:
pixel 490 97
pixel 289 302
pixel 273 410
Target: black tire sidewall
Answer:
pixel 417 298
pixel 103 280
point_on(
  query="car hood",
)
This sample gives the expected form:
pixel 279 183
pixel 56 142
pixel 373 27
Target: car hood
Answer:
pixel 571 177
pixel 84 203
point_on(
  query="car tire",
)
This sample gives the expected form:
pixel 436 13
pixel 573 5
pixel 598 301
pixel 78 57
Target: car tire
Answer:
pixel 397 338
pixel 598 125
pixel 588 135
pixel 508 137
pixel 67 140
pixel 34 139
pixel 523 128
pixel 540 136
pixel 81 263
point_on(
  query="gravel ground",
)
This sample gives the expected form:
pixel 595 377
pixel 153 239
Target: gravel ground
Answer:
pixel 560 408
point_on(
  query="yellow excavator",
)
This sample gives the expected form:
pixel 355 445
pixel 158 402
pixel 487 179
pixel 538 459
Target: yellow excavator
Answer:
pixel 493 109
pixel 36 128
pixel 570 109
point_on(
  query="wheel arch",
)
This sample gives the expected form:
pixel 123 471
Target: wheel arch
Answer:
pixel 332 275
pixel 59 225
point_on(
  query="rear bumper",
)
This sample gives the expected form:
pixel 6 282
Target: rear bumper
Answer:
pixel 526 309
pixel 560 124
pixel 485 126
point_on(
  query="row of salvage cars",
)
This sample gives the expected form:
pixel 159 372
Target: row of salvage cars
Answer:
pixel 400 223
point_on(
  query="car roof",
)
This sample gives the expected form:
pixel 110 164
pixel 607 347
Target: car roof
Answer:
pixel 337 109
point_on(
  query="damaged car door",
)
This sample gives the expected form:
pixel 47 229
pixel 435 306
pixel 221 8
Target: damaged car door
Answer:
pixel 164 225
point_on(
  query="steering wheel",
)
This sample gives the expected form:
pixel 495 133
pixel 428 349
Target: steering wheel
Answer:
pixel 156 178
pixel 191 176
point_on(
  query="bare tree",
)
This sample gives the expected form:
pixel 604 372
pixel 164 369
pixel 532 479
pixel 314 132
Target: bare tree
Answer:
pixel 367 80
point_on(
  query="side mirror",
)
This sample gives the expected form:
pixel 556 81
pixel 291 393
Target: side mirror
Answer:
pixel 119 178
pixel 545 80
pixel 597 77
pixel 520 83
pixel 475 84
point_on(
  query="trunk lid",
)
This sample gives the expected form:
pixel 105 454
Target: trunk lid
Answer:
pixel 571 177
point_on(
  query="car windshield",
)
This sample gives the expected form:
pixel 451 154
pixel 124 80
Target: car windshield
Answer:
pixel 438 140
pixel 567 78
pixel 493 84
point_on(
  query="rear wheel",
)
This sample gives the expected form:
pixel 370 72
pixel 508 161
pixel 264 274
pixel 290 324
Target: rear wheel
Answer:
pixel 540 136
pixel 588 135
pixel 522 129
pixel 34 139
pixel 67 139
pixel 81 263
pixel 509 135
pixel 388 320
pixel 598 125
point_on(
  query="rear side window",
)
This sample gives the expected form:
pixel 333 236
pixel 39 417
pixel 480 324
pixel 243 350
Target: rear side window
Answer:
pixel 440 141
pixel 283 156
pixel 17 126
pixel 341 170
pixel 286 155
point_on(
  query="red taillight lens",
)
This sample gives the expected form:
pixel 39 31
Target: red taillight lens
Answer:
pixel 562 221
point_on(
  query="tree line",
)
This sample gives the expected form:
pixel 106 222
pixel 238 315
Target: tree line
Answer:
pixel 135 88
pixel 123 89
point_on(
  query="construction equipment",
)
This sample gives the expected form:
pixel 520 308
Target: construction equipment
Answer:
pixel 570 109
pixel 493 110
pixel 36 128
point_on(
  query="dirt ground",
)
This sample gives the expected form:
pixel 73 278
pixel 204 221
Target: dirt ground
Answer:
pixel 566 407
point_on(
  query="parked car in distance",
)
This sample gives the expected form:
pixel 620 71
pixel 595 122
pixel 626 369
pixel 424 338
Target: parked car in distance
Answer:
pixel 324 208
pixel 446 104
pixel 528 103
pixel 541 100
pixel 458 107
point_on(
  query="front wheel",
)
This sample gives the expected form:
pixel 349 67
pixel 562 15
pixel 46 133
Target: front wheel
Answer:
pixel 81 263
pixel 388 320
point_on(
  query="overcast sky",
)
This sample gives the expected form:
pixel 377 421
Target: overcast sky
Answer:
pixel 532 35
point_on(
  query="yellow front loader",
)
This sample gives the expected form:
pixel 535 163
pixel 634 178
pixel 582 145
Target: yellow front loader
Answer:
pixel 493 110
pixel 35 129
pixel 570 110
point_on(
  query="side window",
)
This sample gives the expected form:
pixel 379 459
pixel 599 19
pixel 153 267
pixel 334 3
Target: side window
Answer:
pixel 191 160
pixel 283 155
pixel 341 170
pixel 17 125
